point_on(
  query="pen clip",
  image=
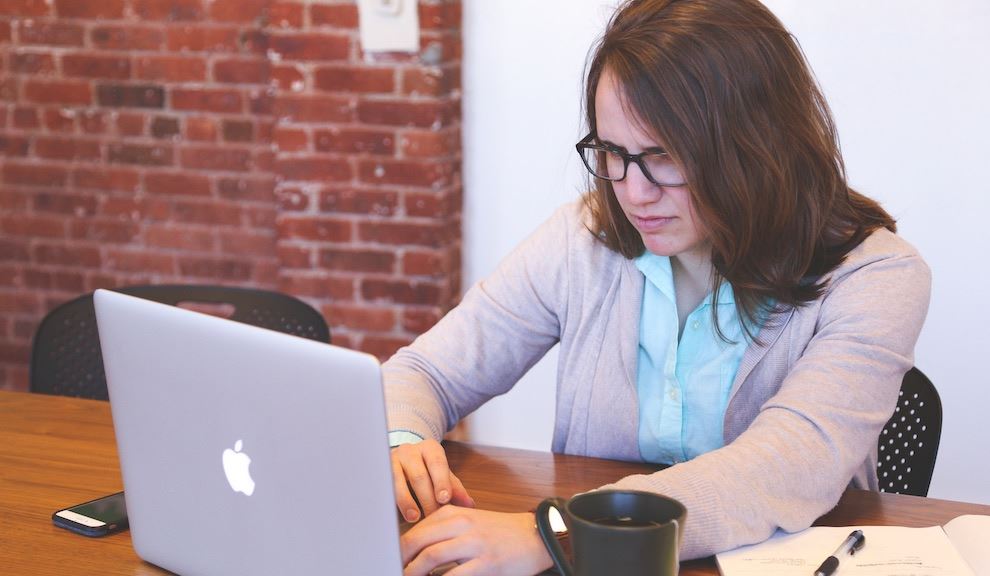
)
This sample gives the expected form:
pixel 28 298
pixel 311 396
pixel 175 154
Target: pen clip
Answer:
pixel 859 540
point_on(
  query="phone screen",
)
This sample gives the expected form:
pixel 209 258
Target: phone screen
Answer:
pixel 96 517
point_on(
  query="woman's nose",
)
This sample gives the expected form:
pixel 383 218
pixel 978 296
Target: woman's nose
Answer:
pixel 638 187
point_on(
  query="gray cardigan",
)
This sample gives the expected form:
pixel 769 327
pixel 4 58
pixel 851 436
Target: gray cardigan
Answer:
pixel 805 409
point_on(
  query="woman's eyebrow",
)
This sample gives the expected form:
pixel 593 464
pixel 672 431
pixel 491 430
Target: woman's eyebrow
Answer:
pixel 650 150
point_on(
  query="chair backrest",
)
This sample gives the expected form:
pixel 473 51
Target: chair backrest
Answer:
pixel 908 443
pixel 66 358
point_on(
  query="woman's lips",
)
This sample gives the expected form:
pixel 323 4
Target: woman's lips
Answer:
pixel 652 223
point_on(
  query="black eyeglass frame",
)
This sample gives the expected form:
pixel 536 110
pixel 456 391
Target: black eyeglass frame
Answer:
pixel 588 143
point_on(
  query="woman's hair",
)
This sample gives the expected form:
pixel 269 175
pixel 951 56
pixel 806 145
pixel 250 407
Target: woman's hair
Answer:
pixel 725 88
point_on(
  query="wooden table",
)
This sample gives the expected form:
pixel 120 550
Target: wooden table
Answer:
pixel 58 451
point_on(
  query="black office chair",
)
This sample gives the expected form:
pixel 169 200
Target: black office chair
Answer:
pixel 66 358
pixel 908 443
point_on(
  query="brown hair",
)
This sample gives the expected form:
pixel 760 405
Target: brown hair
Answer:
pixel 727 90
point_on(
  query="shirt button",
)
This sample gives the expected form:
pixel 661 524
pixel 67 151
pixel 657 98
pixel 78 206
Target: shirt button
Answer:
pixel 696 325
pixel 673 394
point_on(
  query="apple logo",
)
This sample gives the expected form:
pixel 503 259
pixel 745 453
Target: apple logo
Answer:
pixel 235 466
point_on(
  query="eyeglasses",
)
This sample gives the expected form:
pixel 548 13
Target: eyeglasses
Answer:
pixel 611 163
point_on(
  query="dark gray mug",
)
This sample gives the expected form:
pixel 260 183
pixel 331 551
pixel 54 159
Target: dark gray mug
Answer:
pixel 616 532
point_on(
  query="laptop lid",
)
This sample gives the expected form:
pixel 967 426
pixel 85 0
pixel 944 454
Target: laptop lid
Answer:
pixel 246 451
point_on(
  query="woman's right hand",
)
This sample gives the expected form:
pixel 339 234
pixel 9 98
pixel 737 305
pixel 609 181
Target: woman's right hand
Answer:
pixel 422 469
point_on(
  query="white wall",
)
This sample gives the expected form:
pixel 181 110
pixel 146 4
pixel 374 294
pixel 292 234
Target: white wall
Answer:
pixel 909 86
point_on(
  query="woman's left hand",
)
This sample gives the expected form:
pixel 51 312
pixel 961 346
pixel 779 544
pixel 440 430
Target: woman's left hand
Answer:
pixel 480 541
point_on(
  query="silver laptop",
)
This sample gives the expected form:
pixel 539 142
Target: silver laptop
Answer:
pixel 246 451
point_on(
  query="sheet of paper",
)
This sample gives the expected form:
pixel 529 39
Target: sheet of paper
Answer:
pixel 970 534
pixel 889 551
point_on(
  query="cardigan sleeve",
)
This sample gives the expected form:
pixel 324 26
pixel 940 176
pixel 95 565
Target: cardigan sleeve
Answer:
pixel 481 348
pixel 811 437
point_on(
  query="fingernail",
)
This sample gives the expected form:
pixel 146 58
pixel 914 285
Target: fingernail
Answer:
pixel 412 515
pixel 443 496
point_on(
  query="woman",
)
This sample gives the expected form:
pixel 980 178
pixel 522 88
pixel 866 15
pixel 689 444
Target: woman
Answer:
pixel 724 302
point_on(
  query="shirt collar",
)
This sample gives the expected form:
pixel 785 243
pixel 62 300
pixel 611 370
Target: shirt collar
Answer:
pixel 658 272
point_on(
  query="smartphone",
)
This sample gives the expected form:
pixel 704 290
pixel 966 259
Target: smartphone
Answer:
pixel 98 517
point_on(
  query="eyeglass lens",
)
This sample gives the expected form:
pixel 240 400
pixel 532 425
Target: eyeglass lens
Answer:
pixel 610 165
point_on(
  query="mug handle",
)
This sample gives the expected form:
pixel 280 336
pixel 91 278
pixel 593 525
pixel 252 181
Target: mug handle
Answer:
pixel 549 537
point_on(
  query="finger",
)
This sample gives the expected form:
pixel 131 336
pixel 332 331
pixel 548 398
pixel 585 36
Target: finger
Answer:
pixel 436 463
pixel 445 525
pixel 404 500
pixel 460 496
pixel 439 554
pixel 469 568
pixel 418 477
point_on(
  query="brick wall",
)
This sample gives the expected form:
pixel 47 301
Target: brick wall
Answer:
pixel 246 142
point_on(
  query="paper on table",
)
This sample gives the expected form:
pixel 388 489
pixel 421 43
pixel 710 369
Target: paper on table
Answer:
pixel 889 551
pixel 971 536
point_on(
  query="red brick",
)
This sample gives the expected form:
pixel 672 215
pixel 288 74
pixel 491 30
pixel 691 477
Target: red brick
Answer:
pixel 291 108
pixel 14 250
pixel 90 66
pixel 425 263
pixel 208 100
pixel 363 318
pixel 34 174
pixel 318 229
pixel 25 118
pixel 407 172
pixel 241 71
pixel 50 33
pixel 241 243
pixel 419 320
pixel 313 168
pixel 201 128
pixel 444 16
pixel 291 139
pixel 25 8
pixel 238 130
pixel 288 78
pixel 288 256
pixel 170 68
pixel 215 268
pixel 139 261
pixel 335 15
pixel 32 226
pixel 92 121
pixel 177 183
pixel 292 199
pixel 131 124
pixel 127 37
pixel 374 202
pixel 429 143
pixel 286 15
pixel 239 10
pixel 9 89
pixel 178 237
pixel 431 204
pixel 31 63
pixel 321 286
pixel 400 291
pixel 373 261
pixel 259 216
pixel 68 255
pixel 60 120
pixel 164 127
pixel 5 31
pixel 109 231
pixel 406 233
pixel 229 159
pixel 66 149
pixel 106 179
pixel 72 282
pixel 58 92
pixel 355 79
pixel 199 39
pixel 130 96
pixel 355 141
pixel 207 212
pixel 431 81
pixel 77 205
pixel 310 47
pixel 169 10
pixel 247 189
pixel 102 9
pixel 149 155
pixel 13 146
pixel 407 113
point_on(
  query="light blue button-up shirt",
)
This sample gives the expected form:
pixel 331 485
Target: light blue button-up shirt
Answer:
pixel 683 386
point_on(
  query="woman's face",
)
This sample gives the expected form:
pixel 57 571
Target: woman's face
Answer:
pixel 664 216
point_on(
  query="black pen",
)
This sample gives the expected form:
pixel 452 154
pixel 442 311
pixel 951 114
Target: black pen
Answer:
pixel 850 546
